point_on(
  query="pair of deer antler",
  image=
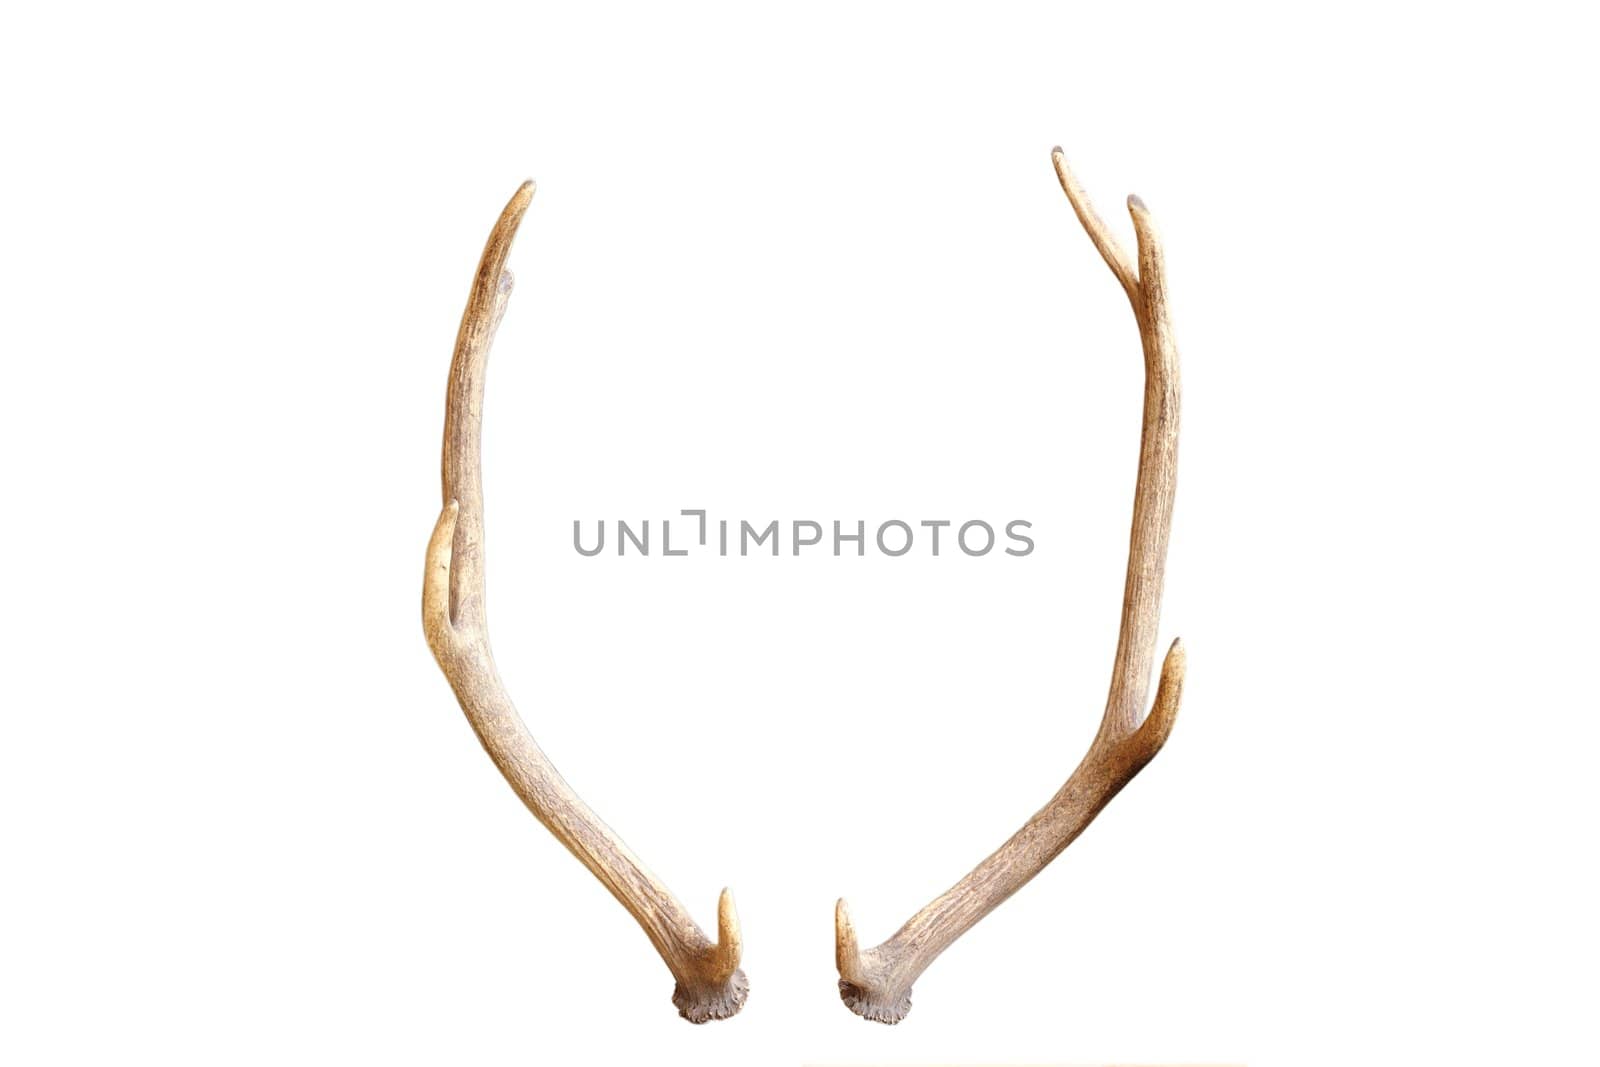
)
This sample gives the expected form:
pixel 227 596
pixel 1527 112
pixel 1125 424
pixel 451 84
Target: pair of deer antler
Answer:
pixel 874 983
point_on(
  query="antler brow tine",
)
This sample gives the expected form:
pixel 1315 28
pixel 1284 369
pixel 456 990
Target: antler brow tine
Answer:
pixel 710 984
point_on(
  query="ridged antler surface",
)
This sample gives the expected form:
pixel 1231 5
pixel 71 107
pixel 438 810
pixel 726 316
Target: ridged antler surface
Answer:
pixel 876 983
pixel 710 983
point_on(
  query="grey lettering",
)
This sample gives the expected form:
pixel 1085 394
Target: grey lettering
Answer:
pixel 903 548
pixel 745 530
pixel 577 542
pixel 859 537
pixel 961 537
pixel 934 524
pixel 701 512
pixel 799 542
pixel 666 540
pixel 1011 532
pixel 624 532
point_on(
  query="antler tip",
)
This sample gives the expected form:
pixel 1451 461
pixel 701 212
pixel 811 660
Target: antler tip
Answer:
pixel 846 951
pixel 442 544
pixel 1173 669
pixel 436 579
pixel 728 932
pixel 510 219
pixel 1157 725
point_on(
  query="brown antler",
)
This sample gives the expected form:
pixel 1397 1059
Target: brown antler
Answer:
pixel 710 983
pixel 876 984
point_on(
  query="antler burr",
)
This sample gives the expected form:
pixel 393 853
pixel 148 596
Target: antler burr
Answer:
pixel 876 983
pixel 710 984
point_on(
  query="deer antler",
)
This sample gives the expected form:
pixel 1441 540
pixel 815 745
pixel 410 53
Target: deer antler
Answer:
pixel 876 983
pixel 710 983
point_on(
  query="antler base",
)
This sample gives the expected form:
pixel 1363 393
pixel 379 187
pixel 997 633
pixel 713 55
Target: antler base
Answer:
pixel 876 1004
pixel 701 1003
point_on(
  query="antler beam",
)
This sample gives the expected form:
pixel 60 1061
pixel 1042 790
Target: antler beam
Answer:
pixel 710 983
pixel 876 983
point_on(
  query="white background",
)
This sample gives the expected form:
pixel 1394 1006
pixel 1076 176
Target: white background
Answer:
pixel 807 262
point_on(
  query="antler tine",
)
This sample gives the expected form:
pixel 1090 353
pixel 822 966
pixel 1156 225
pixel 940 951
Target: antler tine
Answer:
pixel 710 984
pixel 463 417
pixel 876 983
pixel 1107 244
